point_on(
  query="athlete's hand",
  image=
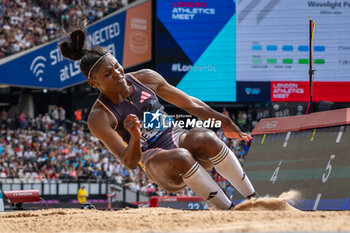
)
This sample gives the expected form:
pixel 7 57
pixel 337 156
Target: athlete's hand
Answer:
pixel 132 125
pixel 245 137
pixel 232 131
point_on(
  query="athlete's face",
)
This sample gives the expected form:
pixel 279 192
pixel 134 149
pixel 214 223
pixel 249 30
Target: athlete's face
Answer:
pixel 108 76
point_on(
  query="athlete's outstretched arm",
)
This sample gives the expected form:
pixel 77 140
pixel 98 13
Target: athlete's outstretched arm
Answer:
pixel 188 103
pixel 100 126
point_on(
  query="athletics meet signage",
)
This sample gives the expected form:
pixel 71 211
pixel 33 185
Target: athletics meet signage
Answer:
pixel 126 34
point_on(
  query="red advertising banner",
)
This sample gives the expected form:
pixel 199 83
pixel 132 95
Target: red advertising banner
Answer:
pixel 332 91
pixel 299 91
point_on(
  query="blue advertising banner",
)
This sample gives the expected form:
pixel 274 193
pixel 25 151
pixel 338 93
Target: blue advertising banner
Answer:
pixel 45 67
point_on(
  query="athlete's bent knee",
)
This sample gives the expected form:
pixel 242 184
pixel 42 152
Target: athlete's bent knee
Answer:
pixel 204 139
pixel 182 160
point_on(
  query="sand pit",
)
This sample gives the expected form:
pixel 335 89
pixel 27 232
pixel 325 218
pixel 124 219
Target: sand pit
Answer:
pixel 273 204
pixel 170 220
pixel 280 203
pixel 260 215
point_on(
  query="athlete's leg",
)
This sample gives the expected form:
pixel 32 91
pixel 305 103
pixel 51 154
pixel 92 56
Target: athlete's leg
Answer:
pixel 175 168
pixel 205 145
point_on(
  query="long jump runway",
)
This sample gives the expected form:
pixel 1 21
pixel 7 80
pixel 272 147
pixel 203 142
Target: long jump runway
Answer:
pixel 261 215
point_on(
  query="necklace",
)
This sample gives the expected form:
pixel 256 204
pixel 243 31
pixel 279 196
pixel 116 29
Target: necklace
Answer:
pixel 130 101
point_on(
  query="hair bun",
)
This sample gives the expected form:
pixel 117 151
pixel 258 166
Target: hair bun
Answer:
pixel 73 49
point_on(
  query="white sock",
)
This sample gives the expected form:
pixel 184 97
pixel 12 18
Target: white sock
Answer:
pixel 227 165
pixel 198 179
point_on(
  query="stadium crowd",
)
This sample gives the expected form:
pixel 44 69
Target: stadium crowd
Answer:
pixel 28 23
pixel 49 147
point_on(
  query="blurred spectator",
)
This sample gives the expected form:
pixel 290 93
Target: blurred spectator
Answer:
pixel 241 119
pixel 229 190
pixel 112 196
pixel 46 121
pixel 85 114
pixel 82 195
pixel 54 114
pixel 78 115
pixel 22 120
pixel 61 115
pixel 225 112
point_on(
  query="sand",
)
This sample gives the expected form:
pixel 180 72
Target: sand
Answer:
pixel 260 215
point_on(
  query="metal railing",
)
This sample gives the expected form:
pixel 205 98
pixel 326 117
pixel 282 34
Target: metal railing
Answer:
pixel 71 187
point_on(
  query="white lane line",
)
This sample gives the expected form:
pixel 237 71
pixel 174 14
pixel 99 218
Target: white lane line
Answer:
pixel 286 140
pixel 317 201
pixel 340 134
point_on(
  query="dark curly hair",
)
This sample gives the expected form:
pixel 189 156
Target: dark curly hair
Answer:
pixel 74 48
